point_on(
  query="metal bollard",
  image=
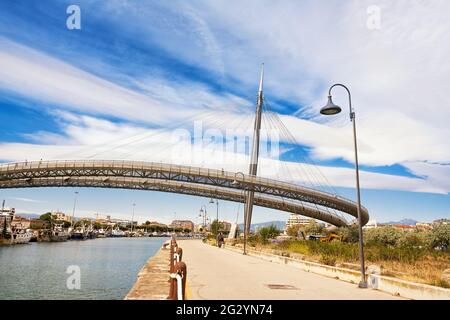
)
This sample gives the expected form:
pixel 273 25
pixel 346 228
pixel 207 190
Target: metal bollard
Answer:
pixel 172 292
pixel 180 254
pixel 179 277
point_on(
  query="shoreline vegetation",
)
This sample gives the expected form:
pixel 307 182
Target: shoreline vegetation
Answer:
pixel 420 256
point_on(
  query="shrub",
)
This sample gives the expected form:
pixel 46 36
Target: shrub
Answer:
pixel 313 228
pixel 387 236
pixel 293 230
pixel 349 234
pixel 267 233
pixel 328 260
pixel 440 236
pixel 414 240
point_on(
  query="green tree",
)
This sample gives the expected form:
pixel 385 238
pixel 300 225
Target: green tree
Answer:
pixel 349 234
pixel 216 227
pixel 267 233
pixel 295 230
pixel 292 230
pixel 313 228
pixel 47 217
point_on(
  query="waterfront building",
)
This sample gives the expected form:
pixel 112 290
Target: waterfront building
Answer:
pixel 225 226
pixel 424 225
pixel 298 220
pixel 155 224
pixel 20 223
pixel 441 221
pixel 61 216
pixel 403 227
pixel 122 222
pixel 39 224
pixel 182 224
pixel 372 224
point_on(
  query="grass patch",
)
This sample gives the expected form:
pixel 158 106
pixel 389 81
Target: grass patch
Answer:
pixel 422 265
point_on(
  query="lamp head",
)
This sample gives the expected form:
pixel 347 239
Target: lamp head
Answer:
pixel 330 108
pixel 211 200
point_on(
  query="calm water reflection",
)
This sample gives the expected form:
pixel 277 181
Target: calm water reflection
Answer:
pixel 109 267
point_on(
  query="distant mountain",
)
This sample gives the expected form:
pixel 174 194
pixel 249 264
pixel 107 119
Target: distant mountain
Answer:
pixel 28 215
pixel 279 224
pixel 405 222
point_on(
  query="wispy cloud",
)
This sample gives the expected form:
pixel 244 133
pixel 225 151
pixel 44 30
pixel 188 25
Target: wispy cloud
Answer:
pixel 26 200
pixel 398 76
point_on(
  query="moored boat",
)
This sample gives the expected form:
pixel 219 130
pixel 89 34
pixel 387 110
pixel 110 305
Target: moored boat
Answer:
pixel 21 236
pixel 79 233
pixel 59 234
pixel 117 233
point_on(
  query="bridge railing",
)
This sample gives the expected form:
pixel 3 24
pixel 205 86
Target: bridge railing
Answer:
pixel 173 168
pixel 347 205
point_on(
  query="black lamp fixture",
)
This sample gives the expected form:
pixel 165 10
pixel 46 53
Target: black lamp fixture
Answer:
pixel 330 108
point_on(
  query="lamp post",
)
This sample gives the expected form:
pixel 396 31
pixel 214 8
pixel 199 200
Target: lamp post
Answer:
pixel 217 212
pixel 203 214
pixel 332 109
pixel 236 183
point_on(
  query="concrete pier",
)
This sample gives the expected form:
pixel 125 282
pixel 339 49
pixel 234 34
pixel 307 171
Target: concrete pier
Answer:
pixel 152 282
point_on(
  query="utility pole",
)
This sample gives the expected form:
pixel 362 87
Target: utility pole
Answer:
pixel 74 205
pixel 253 168
pixel 132 217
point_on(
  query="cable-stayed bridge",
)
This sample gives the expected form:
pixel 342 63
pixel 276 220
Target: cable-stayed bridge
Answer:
pixel 250 188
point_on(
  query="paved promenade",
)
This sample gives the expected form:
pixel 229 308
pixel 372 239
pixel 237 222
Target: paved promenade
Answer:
pixel 218 274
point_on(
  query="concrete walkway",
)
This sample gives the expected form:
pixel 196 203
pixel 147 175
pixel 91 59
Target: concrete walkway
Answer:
pixel 219 274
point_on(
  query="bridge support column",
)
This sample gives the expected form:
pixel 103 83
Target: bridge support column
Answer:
pixel 253 169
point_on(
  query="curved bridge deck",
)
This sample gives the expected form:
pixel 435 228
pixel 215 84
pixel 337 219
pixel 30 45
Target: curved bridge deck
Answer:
pixel 220 184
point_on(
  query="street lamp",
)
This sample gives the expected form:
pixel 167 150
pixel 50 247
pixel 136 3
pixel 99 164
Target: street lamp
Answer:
pixel 236 183
pixel 217 212
pixel 203 214
pixel 332 109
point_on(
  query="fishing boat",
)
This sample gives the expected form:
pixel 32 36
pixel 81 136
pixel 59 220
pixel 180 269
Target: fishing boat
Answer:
pixel 79 233
pixel 6 216
pixel 117 233
pixel 21 236
pixel 100 233
pixel 91 232
pixel 59 234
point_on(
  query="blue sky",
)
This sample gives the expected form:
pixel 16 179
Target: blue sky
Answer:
pixel 138 71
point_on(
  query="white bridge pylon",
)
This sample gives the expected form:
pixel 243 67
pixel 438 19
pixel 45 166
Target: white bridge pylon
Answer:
pixel 196 181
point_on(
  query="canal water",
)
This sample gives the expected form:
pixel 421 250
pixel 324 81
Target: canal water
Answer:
pixel 108 268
